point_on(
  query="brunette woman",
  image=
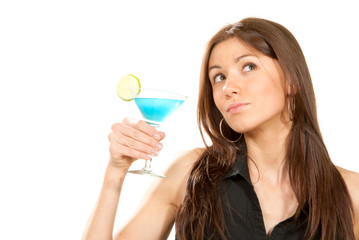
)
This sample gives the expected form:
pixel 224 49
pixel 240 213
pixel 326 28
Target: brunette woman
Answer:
pixel 266 174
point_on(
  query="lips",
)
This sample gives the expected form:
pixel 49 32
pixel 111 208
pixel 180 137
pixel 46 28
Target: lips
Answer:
pixel 236 107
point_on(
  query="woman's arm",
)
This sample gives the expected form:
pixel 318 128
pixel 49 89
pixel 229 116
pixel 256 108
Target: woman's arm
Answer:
pixel 155 217
pixel 100 223
pixel 129 140
pixel 352 181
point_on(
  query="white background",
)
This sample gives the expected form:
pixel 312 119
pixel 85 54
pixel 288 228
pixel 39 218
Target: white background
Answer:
pixel 60 62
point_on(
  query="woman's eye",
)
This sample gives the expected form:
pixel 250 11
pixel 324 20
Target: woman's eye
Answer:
pixel 219 78
pixel 249 67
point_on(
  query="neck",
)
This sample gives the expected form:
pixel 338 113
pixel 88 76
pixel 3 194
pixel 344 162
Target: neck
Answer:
pixel 266 152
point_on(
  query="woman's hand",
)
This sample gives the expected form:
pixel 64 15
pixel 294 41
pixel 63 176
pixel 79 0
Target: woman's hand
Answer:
pixel 133 139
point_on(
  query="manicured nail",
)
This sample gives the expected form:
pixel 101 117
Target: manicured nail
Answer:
pixel 132 121
pixel 156 136
pixel 159 146
pixel 154 152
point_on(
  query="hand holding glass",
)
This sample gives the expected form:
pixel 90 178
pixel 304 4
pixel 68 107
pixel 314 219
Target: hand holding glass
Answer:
pixel 155 106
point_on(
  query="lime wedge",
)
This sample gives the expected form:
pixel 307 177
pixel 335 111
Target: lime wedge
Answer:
pixel 127 87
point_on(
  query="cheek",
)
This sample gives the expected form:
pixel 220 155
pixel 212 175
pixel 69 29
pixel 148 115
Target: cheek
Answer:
pixel 218 101
pixel 269 96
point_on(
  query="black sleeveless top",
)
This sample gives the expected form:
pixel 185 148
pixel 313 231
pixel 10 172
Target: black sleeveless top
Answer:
pixel 243 214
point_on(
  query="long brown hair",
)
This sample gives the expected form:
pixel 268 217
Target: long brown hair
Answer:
pixel 319 188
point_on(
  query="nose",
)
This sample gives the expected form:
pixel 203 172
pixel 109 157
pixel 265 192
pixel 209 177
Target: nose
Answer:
pixel 231 86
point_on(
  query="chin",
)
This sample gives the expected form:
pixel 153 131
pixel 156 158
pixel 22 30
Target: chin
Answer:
pixel 247 126
pixel 243 128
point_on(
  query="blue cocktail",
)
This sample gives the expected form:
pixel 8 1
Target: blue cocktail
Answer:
pixel 155 106
pixel 156 110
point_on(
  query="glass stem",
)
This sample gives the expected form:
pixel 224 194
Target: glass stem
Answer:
pixel 150 160
pixel 150 163
pixel 146 163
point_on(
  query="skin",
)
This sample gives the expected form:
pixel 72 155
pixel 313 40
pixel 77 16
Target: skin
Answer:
pixel 256 80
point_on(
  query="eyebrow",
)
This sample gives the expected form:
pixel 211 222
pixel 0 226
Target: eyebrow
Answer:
pixel 236 60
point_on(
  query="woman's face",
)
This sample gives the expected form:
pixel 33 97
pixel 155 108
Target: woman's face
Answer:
pixel 248 87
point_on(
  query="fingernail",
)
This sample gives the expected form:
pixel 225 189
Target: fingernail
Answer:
pixel 154 152
pixel 156 136
pixel 132 120
pixel 159 146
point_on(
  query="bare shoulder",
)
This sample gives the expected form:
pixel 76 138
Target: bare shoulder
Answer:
pixel 159 206
pixel 174 186
pixel 178 172
pixel 352 181
pixel 184 161
pixel 181 167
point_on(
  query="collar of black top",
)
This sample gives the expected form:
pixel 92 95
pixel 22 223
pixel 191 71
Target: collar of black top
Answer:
pixel 240 166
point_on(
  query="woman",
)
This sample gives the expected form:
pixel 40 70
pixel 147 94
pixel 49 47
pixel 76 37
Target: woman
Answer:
pixel 267 173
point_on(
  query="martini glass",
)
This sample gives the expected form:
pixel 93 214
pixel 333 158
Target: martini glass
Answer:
pixel 155 106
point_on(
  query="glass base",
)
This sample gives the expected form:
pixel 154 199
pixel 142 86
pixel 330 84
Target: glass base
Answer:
pixel 146 171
